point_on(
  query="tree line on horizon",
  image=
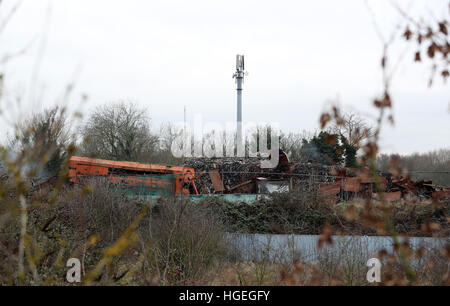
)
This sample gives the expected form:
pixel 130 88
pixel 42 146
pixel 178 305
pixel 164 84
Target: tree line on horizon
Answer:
pixel 122 131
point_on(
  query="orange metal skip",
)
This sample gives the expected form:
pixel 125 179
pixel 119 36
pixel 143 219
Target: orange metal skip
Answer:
pixel 85 166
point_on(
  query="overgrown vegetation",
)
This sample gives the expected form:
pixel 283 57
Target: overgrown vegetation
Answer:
pixel 174 242
pixel 42 136
pixel 308 214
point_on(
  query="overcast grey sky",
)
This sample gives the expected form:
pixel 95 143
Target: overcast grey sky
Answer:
pixel 168 54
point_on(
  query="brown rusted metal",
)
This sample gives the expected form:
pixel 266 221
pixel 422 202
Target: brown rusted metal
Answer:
pixel 327 189
pixel 352 184
pixel 119 171
pixel 244 187
pixel 441 195
pixel 216 180
pixel 388 196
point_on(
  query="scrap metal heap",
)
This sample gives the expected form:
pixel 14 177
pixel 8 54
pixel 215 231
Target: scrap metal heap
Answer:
pixel 231 175
pixel 202 176
pixel 229 171
pixel 421 189
pixel 244 175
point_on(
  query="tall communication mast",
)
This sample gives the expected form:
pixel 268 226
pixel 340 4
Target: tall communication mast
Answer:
pixel 239 75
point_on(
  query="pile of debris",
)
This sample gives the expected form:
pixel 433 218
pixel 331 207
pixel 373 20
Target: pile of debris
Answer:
pixel 405 186
pixel 240 175
pixel 231 174
pixel 233 171
pixel 245 175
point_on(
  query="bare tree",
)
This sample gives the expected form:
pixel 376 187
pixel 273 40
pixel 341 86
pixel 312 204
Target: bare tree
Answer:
pixel 292 143
pixel 119 131
pixel 354 128
pixel 433 165
pixel 41 141
pixel 168 133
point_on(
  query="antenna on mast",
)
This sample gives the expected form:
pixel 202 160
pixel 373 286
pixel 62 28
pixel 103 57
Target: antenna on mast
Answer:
pixel 239 76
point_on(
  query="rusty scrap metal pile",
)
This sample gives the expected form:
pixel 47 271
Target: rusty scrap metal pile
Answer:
pixel 233 171
pixel 245 175
pixel 423 189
